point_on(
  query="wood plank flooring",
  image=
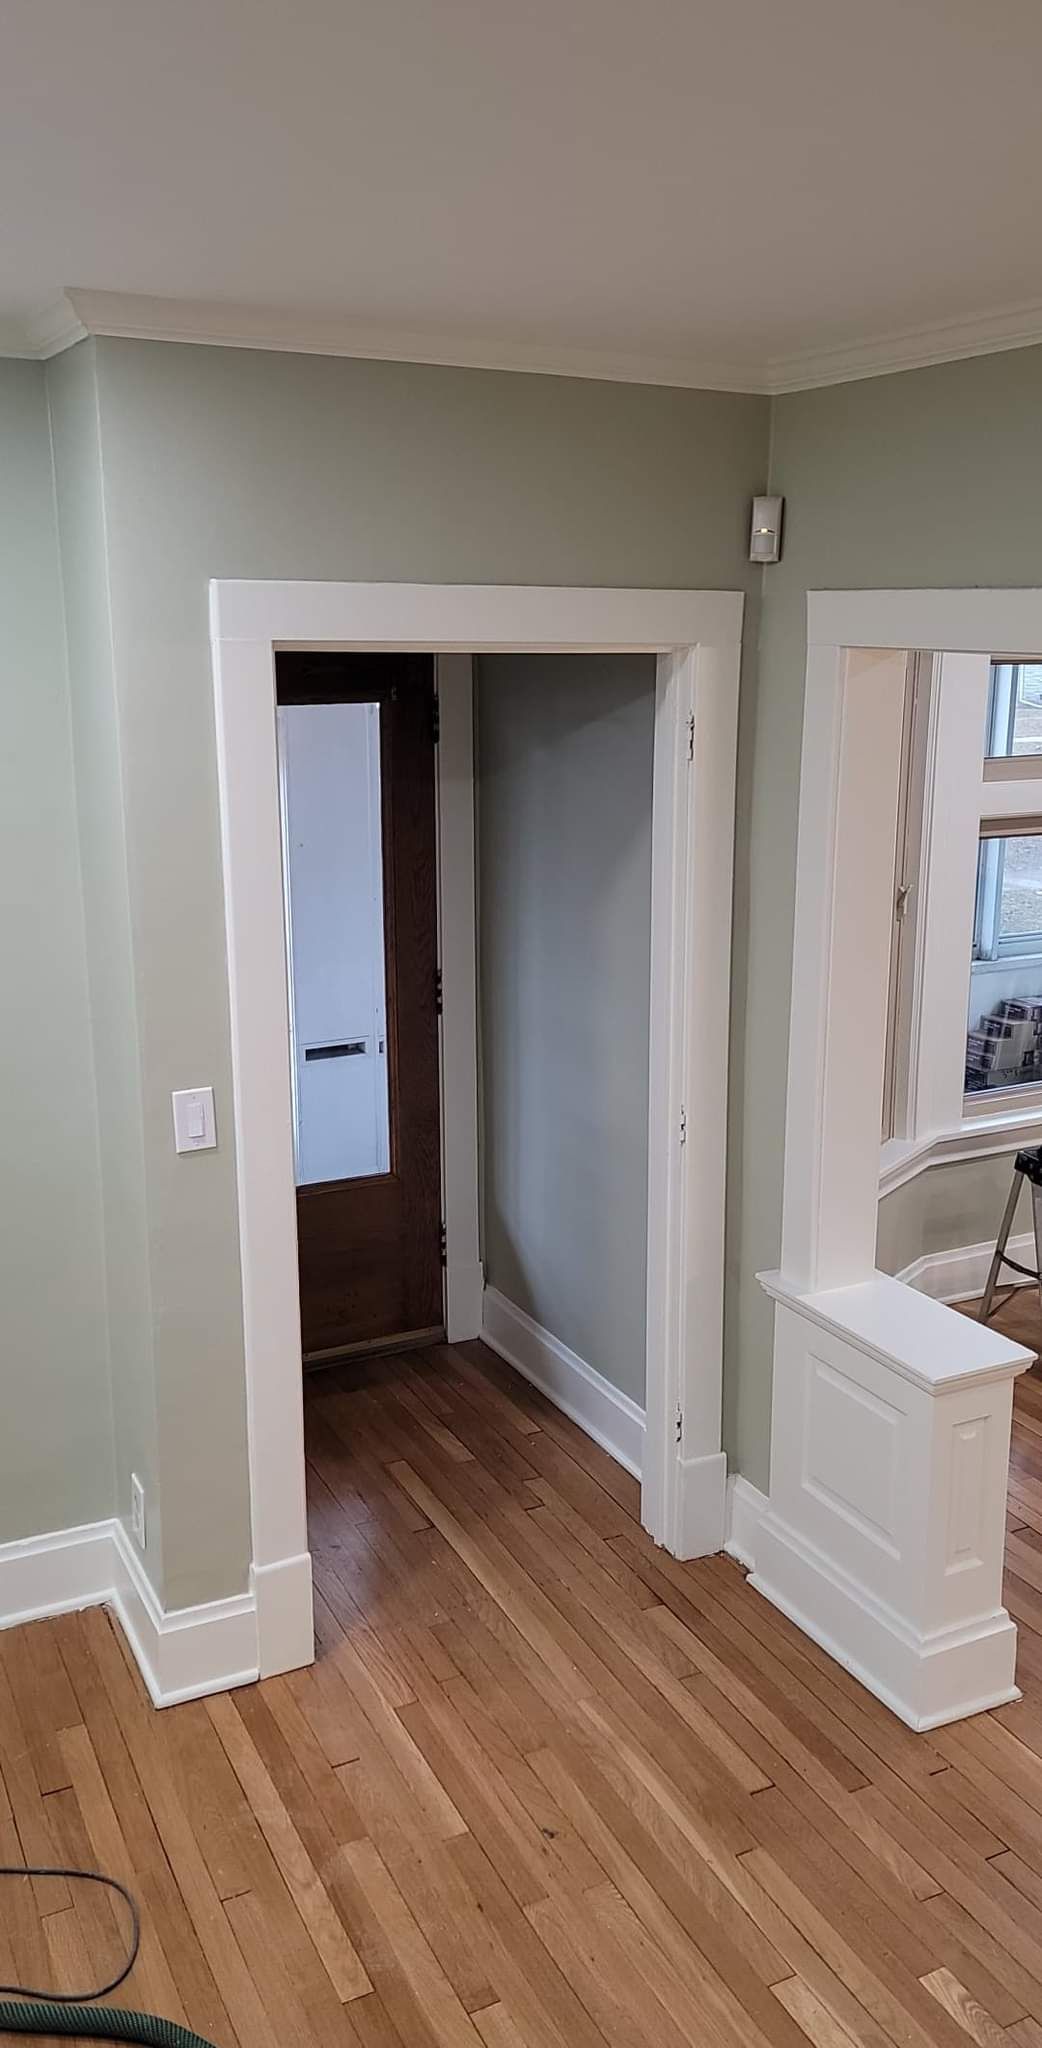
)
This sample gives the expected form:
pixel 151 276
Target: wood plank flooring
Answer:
pixel 544 1787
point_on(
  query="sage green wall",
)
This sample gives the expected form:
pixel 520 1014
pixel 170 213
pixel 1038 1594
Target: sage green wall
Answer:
pixel 929 478
pixel 229 462
pixel 56 1441
pixel 565 747
pixel 957 1203
pixel 113 1023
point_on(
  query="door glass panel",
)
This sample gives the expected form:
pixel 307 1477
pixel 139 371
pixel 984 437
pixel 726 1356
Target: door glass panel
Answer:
pixel 329 765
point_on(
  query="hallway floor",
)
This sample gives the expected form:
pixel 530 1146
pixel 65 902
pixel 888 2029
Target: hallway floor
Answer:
pixel 544 1786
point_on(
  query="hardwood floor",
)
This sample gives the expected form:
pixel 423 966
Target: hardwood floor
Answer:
pixel 543 1786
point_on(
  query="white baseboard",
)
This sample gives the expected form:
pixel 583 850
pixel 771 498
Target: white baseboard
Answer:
pixel 959 1274
pixel 928 1680
pixel 746 1507
pixel 611 1418
pixel 189 1651
pixel 181 1653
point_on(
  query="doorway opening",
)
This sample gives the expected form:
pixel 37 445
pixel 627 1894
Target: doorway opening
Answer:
pixel 695 640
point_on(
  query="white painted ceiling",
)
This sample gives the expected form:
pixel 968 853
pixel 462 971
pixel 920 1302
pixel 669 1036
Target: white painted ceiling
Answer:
pixel 693 185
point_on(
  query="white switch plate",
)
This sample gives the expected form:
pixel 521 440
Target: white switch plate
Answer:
pixel 194 1126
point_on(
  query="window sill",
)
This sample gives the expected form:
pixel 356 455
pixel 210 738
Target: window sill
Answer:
pixel 982 1135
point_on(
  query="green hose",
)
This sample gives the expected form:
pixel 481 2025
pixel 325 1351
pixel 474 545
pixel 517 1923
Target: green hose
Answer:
pixel 24 2010
pixel 101 2022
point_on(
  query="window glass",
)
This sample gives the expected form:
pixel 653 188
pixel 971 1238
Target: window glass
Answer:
pixel 329 757
pixel 1014 709
pixel 1004 1039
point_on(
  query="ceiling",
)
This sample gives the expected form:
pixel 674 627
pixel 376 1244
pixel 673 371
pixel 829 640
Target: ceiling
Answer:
pixel 757 195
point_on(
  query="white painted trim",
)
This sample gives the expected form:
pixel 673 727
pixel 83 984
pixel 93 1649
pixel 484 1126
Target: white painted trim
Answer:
pixel 837 1613
pixel 960 1273
pixel 910 348
pixel 696 719
pixel 473 618
pixel 746 1507
pixel 962 621
pixel 51 1574
pixel 247 767
pixel 977 1138
pixel 217 324
pixel 181 1654
pixel 610 1417
pixel 249 620
pixel 458 1037
pixel 891 1415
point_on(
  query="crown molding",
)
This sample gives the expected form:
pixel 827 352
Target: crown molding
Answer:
pixel 130 316
pixel 56 327
pixel 912 348
pixel 212 323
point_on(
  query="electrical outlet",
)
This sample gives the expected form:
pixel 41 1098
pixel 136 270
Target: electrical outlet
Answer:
pixel 137 1510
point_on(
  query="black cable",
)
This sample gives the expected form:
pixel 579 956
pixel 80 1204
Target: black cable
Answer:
pixel 81 1877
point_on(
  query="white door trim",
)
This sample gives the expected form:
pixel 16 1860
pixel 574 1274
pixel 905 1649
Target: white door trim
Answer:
pixel 699 635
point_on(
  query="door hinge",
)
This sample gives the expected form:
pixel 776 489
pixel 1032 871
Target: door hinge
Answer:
pixel 680 1424
pixel 690 735
pixel 439 998
pixel 436 718
pixel 443 1244
pixel 683 1126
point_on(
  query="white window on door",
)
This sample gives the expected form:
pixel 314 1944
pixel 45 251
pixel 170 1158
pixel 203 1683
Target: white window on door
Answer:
pixel 329 763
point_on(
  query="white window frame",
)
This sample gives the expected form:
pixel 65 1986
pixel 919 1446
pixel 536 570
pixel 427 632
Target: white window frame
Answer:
pixel 965 793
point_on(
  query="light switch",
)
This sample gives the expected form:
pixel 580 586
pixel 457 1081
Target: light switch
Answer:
pixel 194 1127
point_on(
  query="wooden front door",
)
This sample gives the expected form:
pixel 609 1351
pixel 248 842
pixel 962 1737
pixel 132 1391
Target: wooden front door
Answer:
pixel 356 749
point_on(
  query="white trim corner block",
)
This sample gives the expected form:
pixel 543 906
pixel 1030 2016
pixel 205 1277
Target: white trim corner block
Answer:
pixel 885 1532
pixel 610 1417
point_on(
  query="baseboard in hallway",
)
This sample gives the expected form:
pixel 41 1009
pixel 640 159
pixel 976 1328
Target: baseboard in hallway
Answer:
pixel 610 1417
pixel 962 1271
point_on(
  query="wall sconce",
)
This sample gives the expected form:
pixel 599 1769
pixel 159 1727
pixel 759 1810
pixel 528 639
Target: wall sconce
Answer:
pixel 765 534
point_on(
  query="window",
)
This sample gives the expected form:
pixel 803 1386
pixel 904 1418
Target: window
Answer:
pixel 1004 1023
pixel 964 1041
pixel 1004 1041
pixel 1014 725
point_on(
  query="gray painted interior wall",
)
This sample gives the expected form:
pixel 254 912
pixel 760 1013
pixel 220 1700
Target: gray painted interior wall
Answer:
pixel 959 1202
pixel 114 1022
pixel 923 479
pixel 564 773
pixel 228 462
pixel 56 1444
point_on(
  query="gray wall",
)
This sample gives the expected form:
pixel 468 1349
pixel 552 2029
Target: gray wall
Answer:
pixel 100 790
pixel 228 462
pixel 55 1446
pixel 564 772
pixel 924 479
pixel 956 1203
pixel 213 462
